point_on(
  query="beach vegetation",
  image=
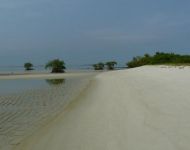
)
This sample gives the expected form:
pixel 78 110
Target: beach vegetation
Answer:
pixel 56 66
pixel 28 66
pixel 99 66
pixel 111 65
pixel 159 58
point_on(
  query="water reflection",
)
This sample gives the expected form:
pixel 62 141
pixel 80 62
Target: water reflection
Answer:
pixel 55 81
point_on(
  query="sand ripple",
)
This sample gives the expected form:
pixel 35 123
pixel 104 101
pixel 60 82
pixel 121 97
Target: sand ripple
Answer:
pixel 23 113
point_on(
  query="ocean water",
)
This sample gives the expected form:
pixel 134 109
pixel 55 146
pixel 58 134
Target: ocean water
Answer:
pixel 27 105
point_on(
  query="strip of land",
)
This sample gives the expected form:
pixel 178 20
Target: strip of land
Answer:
pixel 42 75
pixel 145 108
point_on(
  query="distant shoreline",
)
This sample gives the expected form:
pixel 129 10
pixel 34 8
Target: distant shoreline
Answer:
pixel 22 73
pixel 46 74
pixel 33 75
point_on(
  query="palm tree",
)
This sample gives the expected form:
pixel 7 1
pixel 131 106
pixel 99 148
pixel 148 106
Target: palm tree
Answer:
pixel 56 65
pixel 111 65
pixel 28 66
pixel 99 66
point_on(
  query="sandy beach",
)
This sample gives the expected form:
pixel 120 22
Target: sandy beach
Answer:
pixel 42 75
pixel 145 108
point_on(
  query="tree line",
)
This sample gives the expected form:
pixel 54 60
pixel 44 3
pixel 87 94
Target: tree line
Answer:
pixel 110 65
pixel 58 66
pixel 159 58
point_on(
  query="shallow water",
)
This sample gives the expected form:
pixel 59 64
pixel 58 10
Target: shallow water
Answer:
pixel 27 105
pixel 15 86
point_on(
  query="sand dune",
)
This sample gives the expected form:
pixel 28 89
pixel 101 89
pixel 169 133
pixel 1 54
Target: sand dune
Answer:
pixel 146 108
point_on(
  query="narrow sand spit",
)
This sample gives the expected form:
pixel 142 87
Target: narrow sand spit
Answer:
pixel 146 108
pixel 43 75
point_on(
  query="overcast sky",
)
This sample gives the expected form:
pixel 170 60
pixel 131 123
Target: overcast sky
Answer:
pixel 87 31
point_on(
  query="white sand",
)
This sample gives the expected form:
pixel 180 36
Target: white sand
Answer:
pixel 145 108
pixel 44 75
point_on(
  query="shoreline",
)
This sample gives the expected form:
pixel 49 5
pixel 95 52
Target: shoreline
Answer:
pixel 33 108
pixel 43 75
pixel 142 108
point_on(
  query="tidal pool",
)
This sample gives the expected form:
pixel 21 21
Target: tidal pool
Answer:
pixel 27 105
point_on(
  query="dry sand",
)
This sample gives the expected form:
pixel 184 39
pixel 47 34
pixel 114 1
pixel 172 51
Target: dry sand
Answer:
pixel 145 108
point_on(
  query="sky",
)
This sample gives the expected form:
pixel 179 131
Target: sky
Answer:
pixel 88 31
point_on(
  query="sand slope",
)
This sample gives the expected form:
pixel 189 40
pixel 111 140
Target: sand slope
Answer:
pixel 145 108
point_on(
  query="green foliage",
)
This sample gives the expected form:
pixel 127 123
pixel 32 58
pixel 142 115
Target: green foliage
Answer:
pixel 159 58
pixel 56 65
pixel 111 65
pixel 28 66
pixel 99 66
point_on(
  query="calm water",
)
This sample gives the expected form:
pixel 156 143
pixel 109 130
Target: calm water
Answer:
pixel 14 86
pixel 17 69
pixel 27 105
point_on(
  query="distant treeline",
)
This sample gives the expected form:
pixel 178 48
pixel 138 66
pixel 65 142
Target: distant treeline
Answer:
pixel 101 66
pixel 159 58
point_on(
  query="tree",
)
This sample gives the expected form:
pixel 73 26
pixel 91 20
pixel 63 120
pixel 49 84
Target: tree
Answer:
pixel 56 65
pixel 99 66
pixel 111 65
pixel 28 66
pixel 146 55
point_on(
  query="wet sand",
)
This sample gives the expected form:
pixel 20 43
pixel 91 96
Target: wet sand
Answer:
pixel 145 108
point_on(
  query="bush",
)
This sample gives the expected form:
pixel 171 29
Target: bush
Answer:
pixel 99 66
pixel 159 58
pixel 111 65
pixel 28 66
pixel 56 65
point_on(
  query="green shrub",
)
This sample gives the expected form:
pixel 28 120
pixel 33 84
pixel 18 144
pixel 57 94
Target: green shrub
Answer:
pixel 111 65
pixel 56 65
pixel 159 58
pixel 99 66
pixel 28 66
